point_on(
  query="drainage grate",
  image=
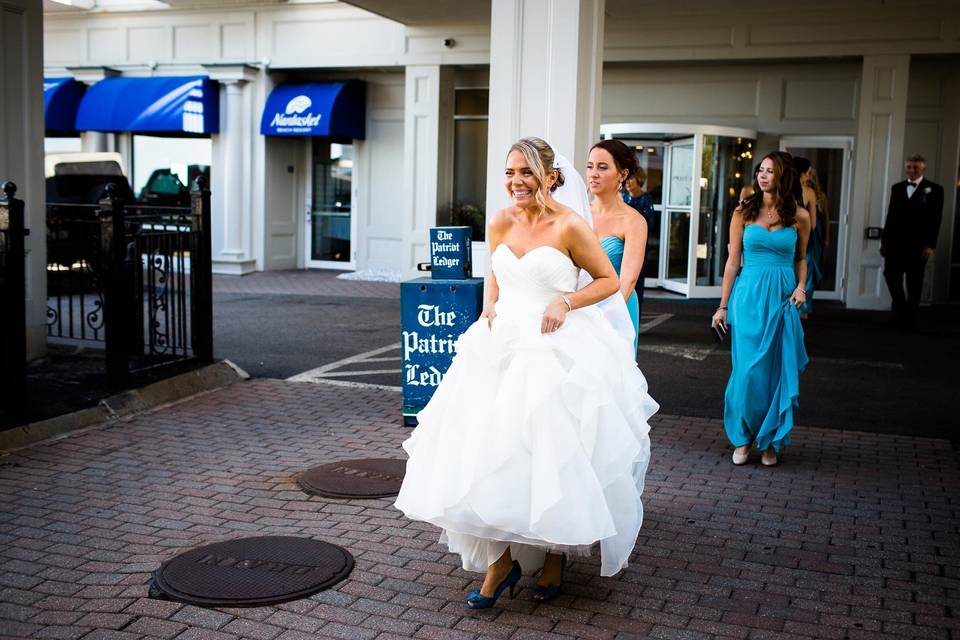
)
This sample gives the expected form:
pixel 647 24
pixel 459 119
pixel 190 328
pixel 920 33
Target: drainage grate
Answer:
pixel 252 572
pixel 367 478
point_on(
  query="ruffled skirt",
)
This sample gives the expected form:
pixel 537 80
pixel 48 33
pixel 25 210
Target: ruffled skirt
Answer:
pixel 536 442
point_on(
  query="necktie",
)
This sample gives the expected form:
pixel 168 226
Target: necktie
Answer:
pixel 912 184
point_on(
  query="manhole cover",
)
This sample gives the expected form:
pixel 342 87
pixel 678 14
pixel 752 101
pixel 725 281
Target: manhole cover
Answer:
pixel 253 571
pixel 368 478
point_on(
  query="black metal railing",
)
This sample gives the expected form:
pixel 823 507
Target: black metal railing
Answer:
pixel 13 329
pixel 135 278
pixel 75 269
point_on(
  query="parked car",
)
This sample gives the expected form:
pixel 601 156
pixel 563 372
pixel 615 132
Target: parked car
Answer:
pixel 164 187
pixel 75 184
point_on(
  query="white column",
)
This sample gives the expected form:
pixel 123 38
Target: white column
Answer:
pixel 427 158
pixel 230 196
pixel 878 164
pixel 95 140
pixel 21 129
pixel 546 68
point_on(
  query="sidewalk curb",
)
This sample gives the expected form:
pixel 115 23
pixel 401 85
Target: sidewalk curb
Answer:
pixel 208 378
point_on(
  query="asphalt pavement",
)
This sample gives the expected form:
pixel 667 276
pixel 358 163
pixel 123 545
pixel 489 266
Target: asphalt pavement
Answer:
pixel 863 374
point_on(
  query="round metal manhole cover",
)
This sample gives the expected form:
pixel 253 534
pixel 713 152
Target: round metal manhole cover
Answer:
pixel 252 572
pixel 367 478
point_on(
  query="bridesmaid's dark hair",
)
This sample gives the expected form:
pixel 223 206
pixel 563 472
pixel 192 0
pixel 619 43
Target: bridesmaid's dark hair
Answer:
pixel 786 182
pixel 623 156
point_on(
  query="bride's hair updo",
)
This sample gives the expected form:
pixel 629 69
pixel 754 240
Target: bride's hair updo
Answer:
pixel 540 158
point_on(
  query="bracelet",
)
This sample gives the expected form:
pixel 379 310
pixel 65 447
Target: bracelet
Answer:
pixel 721 308
pixel 567 302
pixel 801 290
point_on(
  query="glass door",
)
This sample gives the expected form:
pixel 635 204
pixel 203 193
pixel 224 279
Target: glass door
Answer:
pixel 695 173
pixel 726 165
pixel 831 157
pixel 331 228
pixel 677 213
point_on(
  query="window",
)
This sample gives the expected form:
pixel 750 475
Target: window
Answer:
pixel 160 163
pixel 470 159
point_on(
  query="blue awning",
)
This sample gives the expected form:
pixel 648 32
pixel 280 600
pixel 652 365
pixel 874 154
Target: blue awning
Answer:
pixel 335 109
pixel 144 105
pixel 61 97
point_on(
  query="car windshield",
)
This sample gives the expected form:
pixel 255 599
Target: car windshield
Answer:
pixel 100 168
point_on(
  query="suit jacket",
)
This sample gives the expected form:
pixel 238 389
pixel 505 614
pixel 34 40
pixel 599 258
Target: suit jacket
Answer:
pixel 912 223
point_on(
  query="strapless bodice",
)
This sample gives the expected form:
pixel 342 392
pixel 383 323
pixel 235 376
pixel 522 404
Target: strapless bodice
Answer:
pixel 613 246
pixel 530 282
pixel 762 248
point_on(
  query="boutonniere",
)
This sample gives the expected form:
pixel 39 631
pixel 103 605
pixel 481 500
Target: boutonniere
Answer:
pixel 927 190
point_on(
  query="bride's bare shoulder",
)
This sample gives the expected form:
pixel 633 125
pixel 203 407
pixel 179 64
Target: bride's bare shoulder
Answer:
pixel 502 219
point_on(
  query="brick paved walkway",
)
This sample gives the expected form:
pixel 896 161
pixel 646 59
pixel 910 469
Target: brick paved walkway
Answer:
pixel 308 283
pixel 854 536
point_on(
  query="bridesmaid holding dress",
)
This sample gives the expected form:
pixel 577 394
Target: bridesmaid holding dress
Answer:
pixel 622 232
pixel 770 231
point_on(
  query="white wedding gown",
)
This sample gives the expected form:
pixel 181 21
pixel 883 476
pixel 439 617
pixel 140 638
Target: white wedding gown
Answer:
pixel 536 441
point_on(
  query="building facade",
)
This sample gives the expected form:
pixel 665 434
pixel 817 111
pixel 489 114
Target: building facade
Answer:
pixel 855 85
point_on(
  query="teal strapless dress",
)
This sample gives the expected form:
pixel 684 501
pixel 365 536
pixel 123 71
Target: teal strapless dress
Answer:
pixel 767 342
pixel 614 248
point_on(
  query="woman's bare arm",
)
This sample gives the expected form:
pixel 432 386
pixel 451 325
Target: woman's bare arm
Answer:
pixel 634 253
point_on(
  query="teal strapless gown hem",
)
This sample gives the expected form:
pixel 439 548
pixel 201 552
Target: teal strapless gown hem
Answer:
pixel 767 342
pixel 614 246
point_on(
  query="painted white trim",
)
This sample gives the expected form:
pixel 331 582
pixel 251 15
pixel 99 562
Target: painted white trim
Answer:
pixel 641 128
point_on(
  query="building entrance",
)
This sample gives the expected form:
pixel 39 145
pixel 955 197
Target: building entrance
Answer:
pixel 331 228
pixel 694 177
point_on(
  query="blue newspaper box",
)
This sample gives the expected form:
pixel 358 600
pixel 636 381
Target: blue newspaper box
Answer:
pixel 433 314
pixel 450 253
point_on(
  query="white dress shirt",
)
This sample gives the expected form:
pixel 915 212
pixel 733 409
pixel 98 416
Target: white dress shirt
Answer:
pixel 913 187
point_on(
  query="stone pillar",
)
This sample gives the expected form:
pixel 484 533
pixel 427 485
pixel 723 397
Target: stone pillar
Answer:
pixel 427 158
pixel 95 140
pixel 21 130
pixel 878 164
pixel 231 199
pixel 546 68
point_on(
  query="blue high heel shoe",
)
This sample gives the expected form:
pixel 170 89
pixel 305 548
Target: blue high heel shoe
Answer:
pixel 476 600
pixel 548 593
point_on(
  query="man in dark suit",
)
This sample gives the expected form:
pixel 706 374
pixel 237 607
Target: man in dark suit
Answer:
pixel 909 237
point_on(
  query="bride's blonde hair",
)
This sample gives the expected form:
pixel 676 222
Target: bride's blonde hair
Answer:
pixel 540 158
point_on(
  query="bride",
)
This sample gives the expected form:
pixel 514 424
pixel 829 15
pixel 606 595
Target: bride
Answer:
pixel 535 445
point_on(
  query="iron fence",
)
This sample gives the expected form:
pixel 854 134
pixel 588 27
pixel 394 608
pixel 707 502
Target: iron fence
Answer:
pixel 136 279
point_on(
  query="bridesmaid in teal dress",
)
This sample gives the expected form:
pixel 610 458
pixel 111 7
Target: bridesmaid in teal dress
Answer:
pixel 771 232
pixel 621 229
pixel 814 201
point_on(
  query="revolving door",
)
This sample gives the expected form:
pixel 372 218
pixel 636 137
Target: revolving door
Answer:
pixel 694 177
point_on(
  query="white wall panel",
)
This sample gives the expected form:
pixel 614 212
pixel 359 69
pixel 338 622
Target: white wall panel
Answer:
pixel 106 45
pixel 236 41
pixel 148 43
pixel 194 42
pixel 669 36
pixel 662 99
pixel 820 99
pixel 63 46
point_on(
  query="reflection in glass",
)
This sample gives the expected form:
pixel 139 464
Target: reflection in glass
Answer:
pixel 679 240
pixel 828 164
pixel 330 219
pixel 681 175
pixel 726 167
